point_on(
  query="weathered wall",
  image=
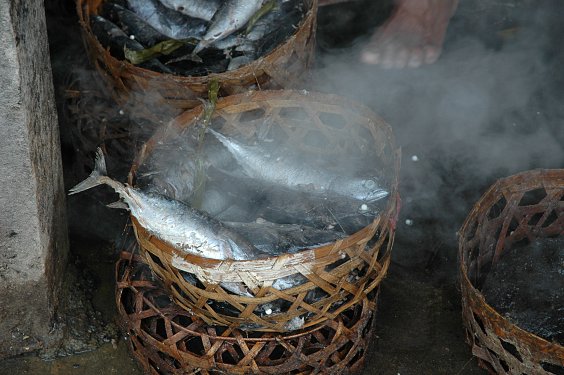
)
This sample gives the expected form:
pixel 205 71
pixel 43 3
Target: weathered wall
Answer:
pixel 33 236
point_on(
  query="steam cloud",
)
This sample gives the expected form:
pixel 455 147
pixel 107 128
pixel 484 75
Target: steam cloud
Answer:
pixel 487 109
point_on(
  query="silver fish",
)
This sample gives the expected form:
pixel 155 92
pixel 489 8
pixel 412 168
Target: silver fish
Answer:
pixel 173 221
pixel 239 61
pixel 295 323
pixel 289 282
pixel 110 35
pixel 230 17
pixel 232 40
pixel 265 23
pixel 275 239
pixel 204 9
pixel 275 21
pixel 288 170
pixel 168 22
pixel 248 42
pixel 132 24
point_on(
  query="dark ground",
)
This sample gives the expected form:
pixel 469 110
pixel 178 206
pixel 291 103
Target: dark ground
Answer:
pixel 490 107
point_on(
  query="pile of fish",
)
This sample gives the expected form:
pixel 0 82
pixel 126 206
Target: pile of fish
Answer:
pixel 527 287
pixel 257 201
pixel 269 185
pixel 222 198
pixel 195 37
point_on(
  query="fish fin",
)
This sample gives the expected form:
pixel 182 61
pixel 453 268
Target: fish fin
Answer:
pixel 200 46
pixel 195 58
pixel 94 178
pixel 118 204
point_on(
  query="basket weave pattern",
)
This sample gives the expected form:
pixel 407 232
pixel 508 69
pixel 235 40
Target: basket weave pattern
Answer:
pixel 506 214
pixel 285 67
pixel 346 270
pixel 166 339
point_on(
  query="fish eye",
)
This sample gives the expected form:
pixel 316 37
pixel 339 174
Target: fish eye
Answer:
pixel 370 184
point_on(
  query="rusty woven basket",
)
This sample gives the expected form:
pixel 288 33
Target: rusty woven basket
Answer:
pixel 167 339
pixel 363 256
pixel 503 217
pixel 284 67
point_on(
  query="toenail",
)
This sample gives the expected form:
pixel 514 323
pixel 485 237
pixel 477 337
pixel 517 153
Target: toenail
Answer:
pixel 370 57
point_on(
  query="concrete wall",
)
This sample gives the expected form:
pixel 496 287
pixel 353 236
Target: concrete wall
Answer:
pixel 33 235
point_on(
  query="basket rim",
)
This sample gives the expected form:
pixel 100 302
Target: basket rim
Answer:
pixel 471 296
pixel 188 117
pixel 247 69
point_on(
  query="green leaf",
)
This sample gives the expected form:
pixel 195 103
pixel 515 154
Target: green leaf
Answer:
pixel 267 7
pixel 163 48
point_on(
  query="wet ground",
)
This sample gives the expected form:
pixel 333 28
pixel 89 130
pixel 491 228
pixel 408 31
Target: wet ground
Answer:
pixel 490 107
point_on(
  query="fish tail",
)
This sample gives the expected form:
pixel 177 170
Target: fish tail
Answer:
pixel 202 44
pixel 96 177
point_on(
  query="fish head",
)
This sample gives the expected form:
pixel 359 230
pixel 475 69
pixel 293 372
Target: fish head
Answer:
pixel 366 189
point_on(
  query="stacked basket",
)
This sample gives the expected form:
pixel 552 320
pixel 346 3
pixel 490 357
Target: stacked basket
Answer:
pixel 335 328
pixel 167 339
pixel 146 99
pixel 176 327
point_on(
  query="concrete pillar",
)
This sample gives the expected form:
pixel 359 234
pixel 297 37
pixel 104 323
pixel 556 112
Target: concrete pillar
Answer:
pixel 33 232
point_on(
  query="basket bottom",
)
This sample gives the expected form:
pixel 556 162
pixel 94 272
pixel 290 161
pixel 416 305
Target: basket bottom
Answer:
pixel 166 339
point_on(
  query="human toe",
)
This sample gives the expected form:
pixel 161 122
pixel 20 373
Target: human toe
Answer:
pixel 431 54
pixel 388 59
pixel 371 57
pixel 415 58
pixel 401 58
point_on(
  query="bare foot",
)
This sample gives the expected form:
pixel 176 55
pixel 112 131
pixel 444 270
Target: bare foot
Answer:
pixel 413 35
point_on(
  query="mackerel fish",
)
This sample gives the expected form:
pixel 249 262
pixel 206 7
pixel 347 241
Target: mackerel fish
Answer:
pixel 275 239
pixel 132 24
pixel 109 34
pixel 173 221
pixel 204 9
pixel 167 21
pixel 230 17
pixel 286 169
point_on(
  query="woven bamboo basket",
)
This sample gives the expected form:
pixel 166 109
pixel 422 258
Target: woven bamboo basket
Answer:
pixel 500 219
pixel 363 256
pixel 167 339
pixel 166 94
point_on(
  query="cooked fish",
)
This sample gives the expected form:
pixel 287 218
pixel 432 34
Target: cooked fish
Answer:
pixel 112 37
pixel 204 9
pixel 173 221
pixel 287 169
pixel 239 61
pixel 170 23
pixel 275 239
pixel 132 24
pixel 230 17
